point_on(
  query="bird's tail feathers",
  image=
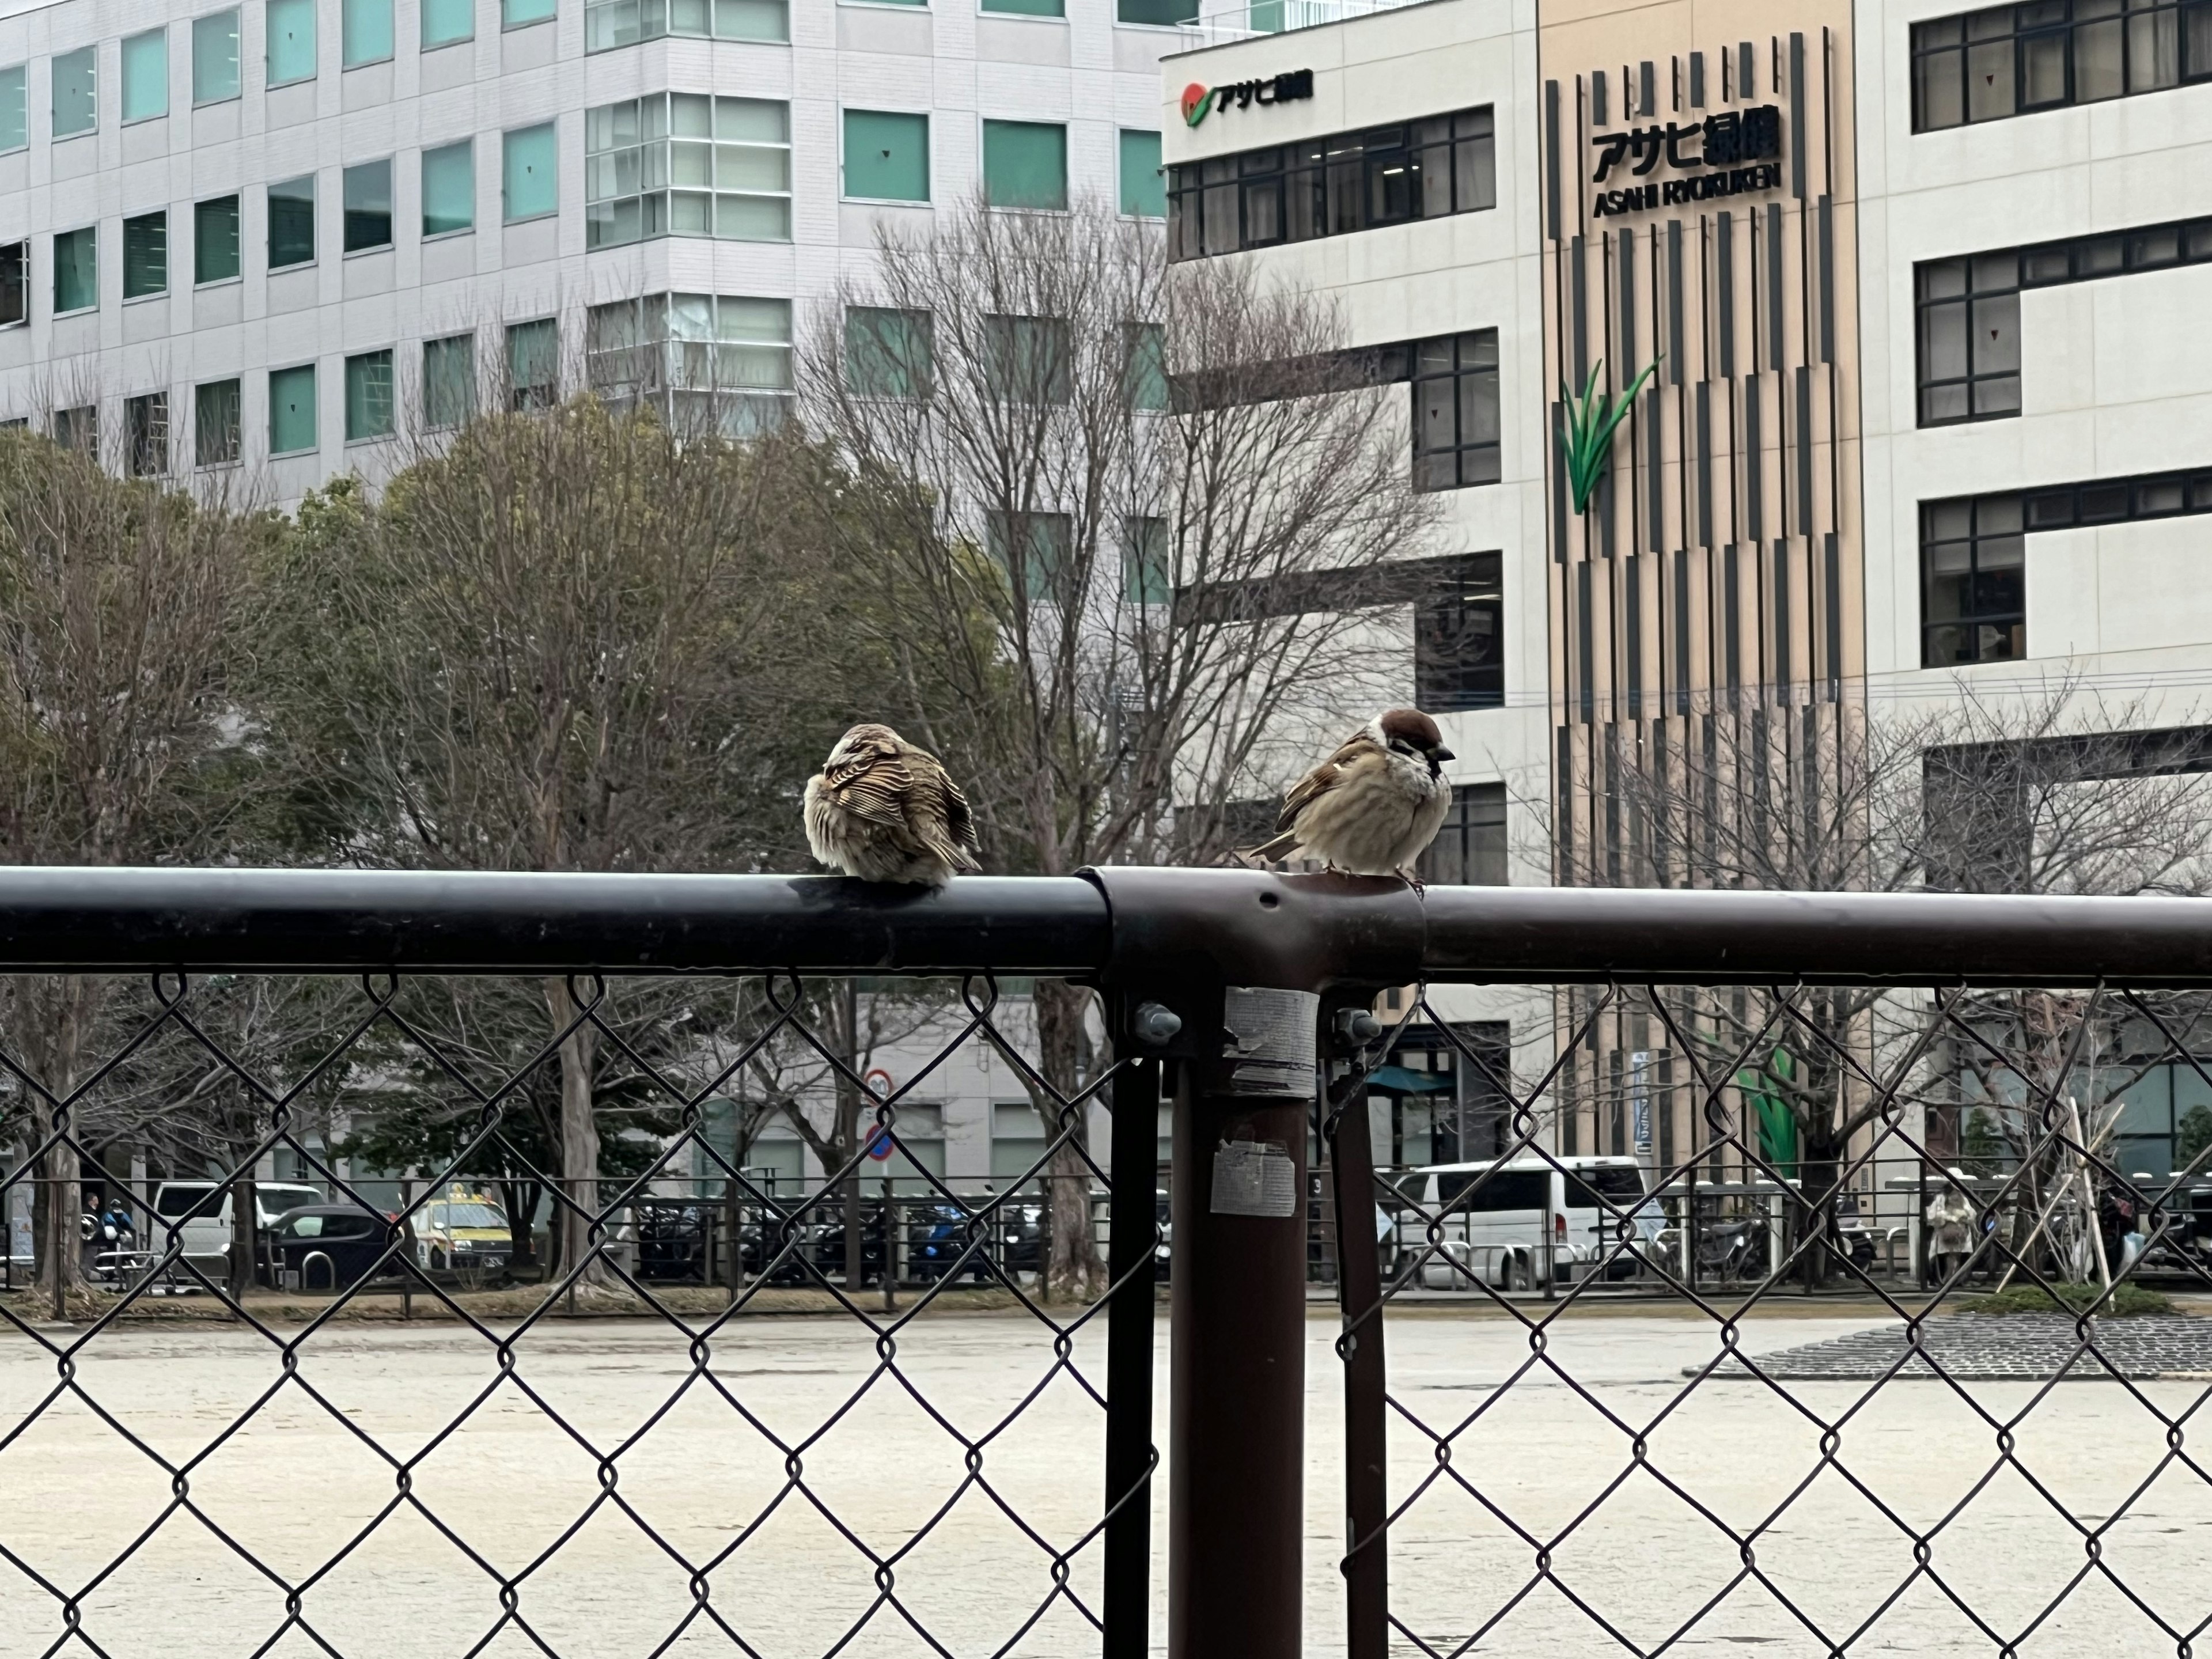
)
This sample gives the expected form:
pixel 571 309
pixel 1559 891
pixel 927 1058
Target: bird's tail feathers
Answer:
pixel 1280 848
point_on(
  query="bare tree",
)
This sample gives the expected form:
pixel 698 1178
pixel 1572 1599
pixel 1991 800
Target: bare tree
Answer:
pixel 1130 523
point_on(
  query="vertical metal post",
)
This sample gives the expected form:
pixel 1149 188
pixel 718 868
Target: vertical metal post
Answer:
pixel 1132 1230
pixel 1366 1440
pixel 1236 1417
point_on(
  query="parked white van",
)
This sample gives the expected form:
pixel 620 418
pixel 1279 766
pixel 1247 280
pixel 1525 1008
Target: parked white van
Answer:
pixel 204 1209
pixel 1497 1229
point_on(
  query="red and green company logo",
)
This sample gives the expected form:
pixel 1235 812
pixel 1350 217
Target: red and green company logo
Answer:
pixel 1196 102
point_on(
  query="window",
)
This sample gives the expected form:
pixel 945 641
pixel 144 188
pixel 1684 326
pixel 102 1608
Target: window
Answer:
pixel 368 395
pixel 2017 59
pixel 1031 359
pixel 15 109
pixel 887 353
pixel 1973 570
pixel 528 186
pixel 534 364
pixel 364 32
pixel 1459 634
pixel 1024 8
pixel 76 270
pixel 1159 14
pixel 76 105
pixel 292 409
pixel 368 206
pixel 146 76
pixel 146 435
pixel 215 423
pixel 1043 538
pixel 711 363
pixel 215 57
pixel 1425 169
pixel 1969 338
pixel 1148 564
pixel 449 188
pixel 216 240
pixel 15 282
pixel 611 23
pixel 291 29
pixel 514 14
pixel 886 157
pixel 1144 187
pixel 449 380
pixel 445 21
pixel 292 222
pixel 78 430
pixel 1024 164
pixel 145 255
pixel 1455 426
pixel 1469 851
pixel 685 164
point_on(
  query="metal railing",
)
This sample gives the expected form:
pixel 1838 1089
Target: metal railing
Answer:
pixel 1252 1004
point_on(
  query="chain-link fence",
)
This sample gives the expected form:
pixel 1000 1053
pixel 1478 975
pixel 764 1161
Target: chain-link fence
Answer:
pixel 1714 1269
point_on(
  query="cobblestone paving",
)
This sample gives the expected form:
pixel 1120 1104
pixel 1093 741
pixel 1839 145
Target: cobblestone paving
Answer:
pixel 2018 1347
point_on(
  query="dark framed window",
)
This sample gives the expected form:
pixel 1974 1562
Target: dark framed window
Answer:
pixel 216 424
pixel 15 282
pixel 146 435
pixel 214 240
pixel 1969 337
pixel 78 428
pixel 1425 169
pixel 2047 54
pixel 1459 634
pixel 145 255
pixel 292 222
pixel 1031 359
pixel 368 206
pixel 1455 422
pixel 1973 582
pixel 449 380
pixel 1469 851
pixel 534 364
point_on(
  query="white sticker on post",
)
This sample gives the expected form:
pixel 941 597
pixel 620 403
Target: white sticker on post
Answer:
pixel 1254 1177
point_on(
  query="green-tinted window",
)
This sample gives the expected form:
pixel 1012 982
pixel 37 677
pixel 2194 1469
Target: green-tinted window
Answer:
pixel 14 284
pixel 214 240
pixel 887 353
pixel 449 380
pixel 1147 561
pixel 292 409
pixel 368 206
pixel 76 270
pixel 534 364
pixel 215 57
pixel 1043 538
pixel 611 23
pixel 1024 164
pixel 365 32
pixel 145 255
pixel 215 423
pixel 146 76
pixel 76 104
pixel 368 395
pixel 15 109
pixel 1144 187
pixel 449 188
pixel 292 222
pixel 1145 375
pixel 1026 8
pixel 1163 13
pixel 513 14
pixel 291 26
pixel 445 21
pixel 528 187
pixel 886 157
pixel 1031 359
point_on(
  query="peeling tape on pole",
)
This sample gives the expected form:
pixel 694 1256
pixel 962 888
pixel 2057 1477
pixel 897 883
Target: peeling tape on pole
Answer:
pixel 1269 1041
pixel 1254 1177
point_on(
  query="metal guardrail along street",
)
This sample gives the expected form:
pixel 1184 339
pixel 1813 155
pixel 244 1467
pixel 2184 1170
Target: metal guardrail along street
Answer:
pixel 1784 1073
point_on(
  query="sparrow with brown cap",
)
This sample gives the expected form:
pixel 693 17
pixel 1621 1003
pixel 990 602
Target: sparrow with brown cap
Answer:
pixel 1372 808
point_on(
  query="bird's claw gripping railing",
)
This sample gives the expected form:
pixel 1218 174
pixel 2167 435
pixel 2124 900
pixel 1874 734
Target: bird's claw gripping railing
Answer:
pixel 891 1483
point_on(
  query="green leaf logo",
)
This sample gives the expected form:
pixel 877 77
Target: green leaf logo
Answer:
pixel 1592 419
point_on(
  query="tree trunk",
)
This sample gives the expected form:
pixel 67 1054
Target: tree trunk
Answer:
pixel 58 1011
pixel 580 1138
pixel 245 1235
pixel 1073 1270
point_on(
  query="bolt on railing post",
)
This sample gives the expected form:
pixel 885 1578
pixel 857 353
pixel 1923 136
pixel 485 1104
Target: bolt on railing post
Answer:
pixel 1131 1223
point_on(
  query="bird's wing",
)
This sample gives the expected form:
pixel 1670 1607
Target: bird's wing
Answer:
pixel 937 812
pixel 872 785
pixel 1319 782
pixel 961 821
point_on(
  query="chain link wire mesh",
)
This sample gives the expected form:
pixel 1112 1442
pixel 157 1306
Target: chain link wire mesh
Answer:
pixel 1764 1393
pixel 190 1467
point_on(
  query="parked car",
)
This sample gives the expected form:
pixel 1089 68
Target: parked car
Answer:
pixel 1499 1223
pixel 200 1213
pixel 329 1246
pixel 463 1233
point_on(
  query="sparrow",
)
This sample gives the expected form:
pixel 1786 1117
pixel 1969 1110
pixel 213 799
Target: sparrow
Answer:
pixel 883 810
pixel 1372 807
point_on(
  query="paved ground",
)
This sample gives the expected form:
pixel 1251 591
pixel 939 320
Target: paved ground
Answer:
pixel 300 1479
pixel 2017 1347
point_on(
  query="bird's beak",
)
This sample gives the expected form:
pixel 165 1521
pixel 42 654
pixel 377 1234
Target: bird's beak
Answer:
pixel 1440 755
